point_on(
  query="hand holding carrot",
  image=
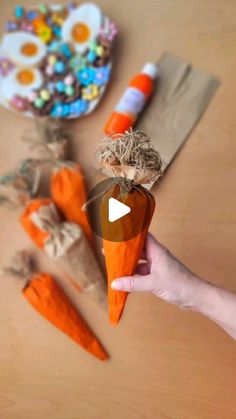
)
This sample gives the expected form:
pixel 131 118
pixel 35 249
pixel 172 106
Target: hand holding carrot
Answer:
pixel 167 278
pixel 163 275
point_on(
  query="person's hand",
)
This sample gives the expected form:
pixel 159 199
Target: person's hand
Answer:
pixel 163 275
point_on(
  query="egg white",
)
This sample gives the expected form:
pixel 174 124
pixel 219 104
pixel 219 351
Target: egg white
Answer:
pixel 88 14
pixel 12 45
pixel 12 86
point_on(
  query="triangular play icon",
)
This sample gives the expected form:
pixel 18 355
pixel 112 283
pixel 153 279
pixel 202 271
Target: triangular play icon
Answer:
pixel 117 209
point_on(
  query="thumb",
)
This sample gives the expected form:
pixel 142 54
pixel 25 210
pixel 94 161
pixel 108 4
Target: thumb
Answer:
pixel 133 283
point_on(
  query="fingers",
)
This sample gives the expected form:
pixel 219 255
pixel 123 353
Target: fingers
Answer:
pixel 133 283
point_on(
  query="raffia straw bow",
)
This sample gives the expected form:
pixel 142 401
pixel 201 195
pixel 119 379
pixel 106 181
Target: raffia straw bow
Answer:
pixel 132 160
pixel 18 186
pixel 62 235
pixel 131 156
pixel 51 139
pixel 20 266
pixel 46 218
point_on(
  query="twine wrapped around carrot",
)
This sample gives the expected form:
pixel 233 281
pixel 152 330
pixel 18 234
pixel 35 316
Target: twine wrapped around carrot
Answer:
pixel 19 186
pixel 66 243
pixel 45 295
pixel 69 193
pixel 133 162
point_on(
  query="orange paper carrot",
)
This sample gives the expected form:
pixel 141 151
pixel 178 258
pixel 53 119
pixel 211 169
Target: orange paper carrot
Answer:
pixel 45 295
pixel 133 162
pixel 69 193
pixel 122 265
pixel 122 256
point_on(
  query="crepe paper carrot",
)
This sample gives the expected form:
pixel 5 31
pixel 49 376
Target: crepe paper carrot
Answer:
pixel 50 139
pixel 65 243
pixel 45 295
pixel 133 161
pixel 69 194
pixel 122 257
pixel 19 186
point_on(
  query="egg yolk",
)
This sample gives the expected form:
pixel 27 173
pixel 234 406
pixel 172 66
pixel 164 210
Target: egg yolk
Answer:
pixel 25 77
pixel 29 49
pixel 80 33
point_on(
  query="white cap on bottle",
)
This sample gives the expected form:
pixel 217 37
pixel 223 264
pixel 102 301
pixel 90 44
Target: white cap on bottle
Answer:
pixel 151 70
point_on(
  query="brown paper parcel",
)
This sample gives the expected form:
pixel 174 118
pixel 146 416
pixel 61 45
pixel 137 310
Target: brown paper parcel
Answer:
pixel 20 185
pixel 181 98
pixel 68 245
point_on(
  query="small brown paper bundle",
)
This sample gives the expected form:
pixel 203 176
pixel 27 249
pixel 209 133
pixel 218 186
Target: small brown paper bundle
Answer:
pixel 45 295
pixel 50 139
pixel 65 243
pixel 20 185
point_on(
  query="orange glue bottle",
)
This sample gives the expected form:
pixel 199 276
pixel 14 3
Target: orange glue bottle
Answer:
pixel 133 101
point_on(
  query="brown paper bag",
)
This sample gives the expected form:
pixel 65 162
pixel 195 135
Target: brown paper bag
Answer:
pixel 67 244
pixel 182 95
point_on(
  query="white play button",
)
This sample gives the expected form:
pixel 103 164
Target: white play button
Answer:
pixel 116 209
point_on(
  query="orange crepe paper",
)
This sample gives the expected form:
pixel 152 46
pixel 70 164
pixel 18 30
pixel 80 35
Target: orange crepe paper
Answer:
pixel 122 257
pixel 45 295
pixel 69 193
pixel 37 235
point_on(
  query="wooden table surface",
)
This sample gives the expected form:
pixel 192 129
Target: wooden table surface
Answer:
pixel 165 363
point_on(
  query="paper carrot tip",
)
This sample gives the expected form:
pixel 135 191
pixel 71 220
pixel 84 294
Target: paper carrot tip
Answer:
pixel 96 349
pixel 115 311
pixel 121 260
pixel 45 295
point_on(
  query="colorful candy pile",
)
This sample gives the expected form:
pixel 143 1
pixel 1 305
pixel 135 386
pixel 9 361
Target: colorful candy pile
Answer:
pixel 56 60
